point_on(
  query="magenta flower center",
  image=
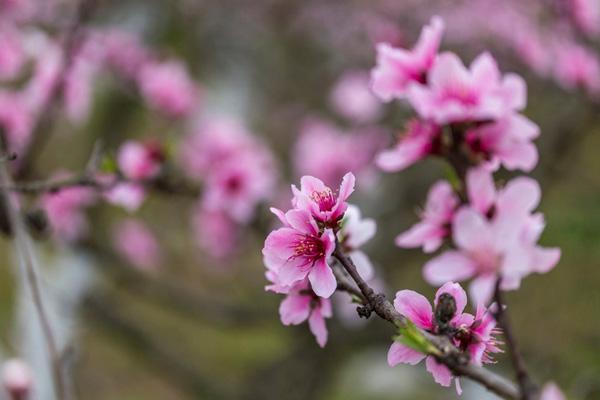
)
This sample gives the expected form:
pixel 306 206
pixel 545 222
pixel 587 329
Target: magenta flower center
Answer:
pixel 325 199
pixel 308 246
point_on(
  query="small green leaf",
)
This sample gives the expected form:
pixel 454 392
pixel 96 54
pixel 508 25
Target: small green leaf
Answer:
pixel 410 336
pixel 108 165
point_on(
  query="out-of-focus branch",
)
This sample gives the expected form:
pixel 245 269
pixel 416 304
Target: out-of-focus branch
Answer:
pixel 449 355
pixel 528 387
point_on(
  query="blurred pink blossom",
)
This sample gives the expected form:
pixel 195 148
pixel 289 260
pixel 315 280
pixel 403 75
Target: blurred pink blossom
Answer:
pixel 17 378
pixel 551 391
pixel 322 150
pixel 352 98
pixel 129 196
pixel 577 67
pixel 137 244
pixel 168 88
pixel 419 141
pixel 215 233
pixel 435 222
pixel 139 161
pixel 16 120
pixel 123 52
pixel 354 232
pixel 12 55
pixel 397 69
pixel 586 15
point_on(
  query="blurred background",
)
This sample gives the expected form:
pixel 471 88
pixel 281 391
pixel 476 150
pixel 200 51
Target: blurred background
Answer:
pixel 161 296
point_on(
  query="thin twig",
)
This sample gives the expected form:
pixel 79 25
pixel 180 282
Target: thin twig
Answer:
pixel 450 356
pixel 528 387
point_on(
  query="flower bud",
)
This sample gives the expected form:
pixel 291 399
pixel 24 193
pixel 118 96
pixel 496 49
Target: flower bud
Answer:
pixel 17 379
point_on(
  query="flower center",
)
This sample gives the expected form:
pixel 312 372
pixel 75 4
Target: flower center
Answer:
pixel 309 247
pixel 325 199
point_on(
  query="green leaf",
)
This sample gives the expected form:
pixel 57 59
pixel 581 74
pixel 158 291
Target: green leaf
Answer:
pixel 411 336
pixel 108 165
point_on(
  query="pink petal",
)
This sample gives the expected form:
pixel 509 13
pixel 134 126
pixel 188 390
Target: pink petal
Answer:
pixel 322 279
pixel 422 234
pixel 415 307
pixel 363 264
pixel 544 259
pixel 471 231
pixel 456 291
pixel 551 391
pixel 523 156
pixel 317 326
pixel 449 266
pixel 280 215
pixel 310 184
pixel 482 288
pixel 302 221
pixel 481 189
pixel 294 309
pixel 441 373
pixel 520 196
pixel 401 354
pixel 346 187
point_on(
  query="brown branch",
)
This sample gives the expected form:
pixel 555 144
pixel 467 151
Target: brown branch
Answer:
pixel 526 384
pixel 449 355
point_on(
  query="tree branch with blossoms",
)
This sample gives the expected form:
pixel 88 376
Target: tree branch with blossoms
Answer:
pixel 470 117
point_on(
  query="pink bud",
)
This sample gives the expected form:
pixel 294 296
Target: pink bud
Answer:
pixel 17 378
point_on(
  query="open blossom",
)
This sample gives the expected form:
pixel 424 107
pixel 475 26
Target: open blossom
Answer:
pixel 168 88
pixel 454 93
pixel 352 98
pixel 507 141
pixel 472 333
pixel 496 235
pixel 551 392
pixel 322 150
pixel 130 196
pixel 17 378
pixel 302 304
pixel 355 231
pixel 215 232
pixel 320 201
pixel 435 222
pixel 299 250
pixel 397 68
pixel 65 211
pixel 419 141
pixel 138 161
pixel 137 244
pixel 122 51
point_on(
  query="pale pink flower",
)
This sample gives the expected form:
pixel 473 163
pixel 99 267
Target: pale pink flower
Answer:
pixel 419 141
pixel 352 98
pixel 12 56
pixel 577 67
pixel 501 245
pixel 354 232
pixel 215 233
pixel 48 66
pixel 325 205
pixel 435 222
pixel 16 120
pixel 417 309
pixel 17 378
pixel 139 161
pixel 168 88
pixel 507 141
pixel 129 196
pixel 586 15
pixel 299 250
pixel 236 187
pixel 397 68
pixel 65 211
pixel 551 391
pixel 137 244
pixel 302 304
pixel 479 339
pixel 78 85
pixel 454 93
pixel 322 150
pixel 123 52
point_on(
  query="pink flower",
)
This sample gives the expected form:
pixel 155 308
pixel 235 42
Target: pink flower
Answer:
pixel 501 245
pixel 420 140
pixel 397 68
pixel 168 88
pixel 299 250
pixel 302 304
pixel 79 82
pixel 479 339
pixel 586 15
pixel 577 67
pixel 137 244
pixel 123 52
pixel 11 52
pixel 319 200
pixel 507 142
pixel 64 210
pixel 454 93
pixel 130 196
pixel 139 161
pixel 353 234
pixel 435 222
pixel 16 120
pixel 322 148
pixel 17 378
pixel 551 391
pixel 352 98
pixel 215 233
pixel 238 186
pixel 417 309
